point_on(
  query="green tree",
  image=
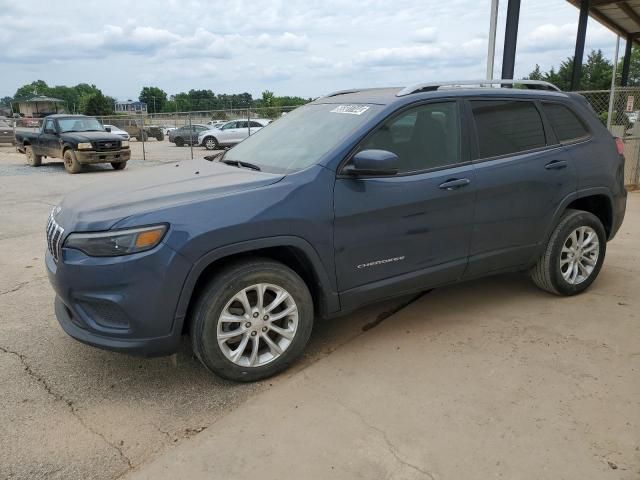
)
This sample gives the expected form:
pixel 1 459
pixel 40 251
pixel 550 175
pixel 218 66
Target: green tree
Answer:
pixel 154 97
pixel 634 69
pixel 38 87
pixel 596 73
pixel 536 74
pixel 97 104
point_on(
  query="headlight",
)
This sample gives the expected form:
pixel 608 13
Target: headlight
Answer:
pixel 117 242
pixel 125 144
pixel 85 146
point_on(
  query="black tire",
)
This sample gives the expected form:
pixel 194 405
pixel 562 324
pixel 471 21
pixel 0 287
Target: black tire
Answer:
pixel 71 163
pixel 179 142
pixel 220 290
pixel 32 159
pixel 547 273
pixel 118 165
pixel 160 137
pixel 210 143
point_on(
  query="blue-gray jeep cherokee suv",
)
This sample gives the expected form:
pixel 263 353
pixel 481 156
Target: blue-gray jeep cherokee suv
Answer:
pixel 356 197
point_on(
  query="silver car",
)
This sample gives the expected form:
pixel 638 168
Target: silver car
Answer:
pixel 231 133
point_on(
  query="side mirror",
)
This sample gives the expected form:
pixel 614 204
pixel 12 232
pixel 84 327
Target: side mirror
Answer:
pixel 50 131
pixel 372 162
pixel 107 129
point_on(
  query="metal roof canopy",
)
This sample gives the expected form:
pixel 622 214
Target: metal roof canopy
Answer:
pixel 620 16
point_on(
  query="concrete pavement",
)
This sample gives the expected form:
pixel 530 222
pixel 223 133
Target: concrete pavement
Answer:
pixel 490 379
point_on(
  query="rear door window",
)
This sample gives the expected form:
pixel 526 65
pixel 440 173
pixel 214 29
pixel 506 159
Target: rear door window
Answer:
pixel 507 127
pixel 565 123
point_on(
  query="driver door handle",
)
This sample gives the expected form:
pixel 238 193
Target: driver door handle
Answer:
pixel 454 183
pixel 556 165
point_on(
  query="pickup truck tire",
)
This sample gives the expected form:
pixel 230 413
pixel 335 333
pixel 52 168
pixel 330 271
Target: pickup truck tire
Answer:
pixel 118 165
pixel 179 142
pixel 275 313
pixel 210 143
pixel 160 137
pixel 32 159
pixel 71 163
pixel 574 255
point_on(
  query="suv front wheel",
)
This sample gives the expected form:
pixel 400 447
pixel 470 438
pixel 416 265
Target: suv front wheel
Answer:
pixel 252 320
pixel 574 255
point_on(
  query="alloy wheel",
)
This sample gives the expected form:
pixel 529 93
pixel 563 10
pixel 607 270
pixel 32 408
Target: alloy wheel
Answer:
pixel 579 255
pixel 257 325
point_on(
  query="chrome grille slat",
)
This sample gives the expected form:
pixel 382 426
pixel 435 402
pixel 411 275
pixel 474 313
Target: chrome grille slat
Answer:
pixel 54 237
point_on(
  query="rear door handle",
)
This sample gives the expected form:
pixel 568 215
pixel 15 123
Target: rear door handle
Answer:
pixel 455 183
pixel 556 165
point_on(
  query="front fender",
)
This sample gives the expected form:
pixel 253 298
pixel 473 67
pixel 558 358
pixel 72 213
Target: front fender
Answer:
pixel 329 299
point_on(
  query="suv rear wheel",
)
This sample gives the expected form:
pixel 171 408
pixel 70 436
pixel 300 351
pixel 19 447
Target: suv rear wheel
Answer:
pixel 574 255
pixel 252 320
pixel 210 143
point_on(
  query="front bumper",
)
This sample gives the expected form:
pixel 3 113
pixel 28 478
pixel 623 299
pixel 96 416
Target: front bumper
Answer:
pixel 90 156
pixel 125 304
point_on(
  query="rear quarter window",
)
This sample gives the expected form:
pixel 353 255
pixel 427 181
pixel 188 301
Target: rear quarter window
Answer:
pixel 506 127
pixel 566 124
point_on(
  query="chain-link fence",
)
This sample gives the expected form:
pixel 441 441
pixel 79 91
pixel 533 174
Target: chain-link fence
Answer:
pixel 169 137
pixel 620 112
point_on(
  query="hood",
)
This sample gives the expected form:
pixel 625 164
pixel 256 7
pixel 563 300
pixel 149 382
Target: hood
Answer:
pixel 89 136
pixel 101 206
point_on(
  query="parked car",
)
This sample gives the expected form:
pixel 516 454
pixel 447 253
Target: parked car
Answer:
pixel 6 131
pixel 216 123
pixel 187 135
pixel 136 128
pixel 166 130
pixel 115 130
pixel 230 133
pixel 76 139
pixel 355 197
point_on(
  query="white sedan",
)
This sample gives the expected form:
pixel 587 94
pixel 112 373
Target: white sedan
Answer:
pixel 117 131
pixel 231 133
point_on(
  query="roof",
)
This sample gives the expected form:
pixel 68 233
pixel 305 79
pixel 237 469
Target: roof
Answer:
pixel 41 99
pixel 130 102
pixel 621 17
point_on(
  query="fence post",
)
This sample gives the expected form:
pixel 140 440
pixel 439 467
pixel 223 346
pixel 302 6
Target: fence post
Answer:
pixel 190 136
pixel 612 93
pixel 141 137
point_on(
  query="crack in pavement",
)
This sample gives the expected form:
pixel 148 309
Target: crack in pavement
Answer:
pixel 69 403
pixel 393 450
pixel 384 315
pixel 14 289
pixel 390 445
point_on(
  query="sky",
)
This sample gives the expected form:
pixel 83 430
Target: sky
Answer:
pixel 291 47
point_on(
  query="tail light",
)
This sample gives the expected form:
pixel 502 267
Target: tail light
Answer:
pixel 619 145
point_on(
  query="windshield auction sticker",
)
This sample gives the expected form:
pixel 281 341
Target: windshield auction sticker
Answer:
pixel 350 109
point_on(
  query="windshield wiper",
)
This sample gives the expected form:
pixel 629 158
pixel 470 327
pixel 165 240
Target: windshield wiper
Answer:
pixel 239 163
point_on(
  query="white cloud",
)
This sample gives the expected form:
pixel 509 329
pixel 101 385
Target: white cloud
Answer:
pixel 551 36
pixel 286 41
pixel 425 35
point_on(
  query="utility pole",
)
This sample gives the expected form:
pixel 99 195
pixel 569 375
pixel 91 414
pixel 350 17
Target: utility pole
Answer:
pixel 493 20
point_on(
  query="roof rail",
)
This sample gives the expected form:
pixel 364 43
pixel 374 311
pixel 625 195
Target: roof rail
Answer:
pixel 430 87
pixel 342 92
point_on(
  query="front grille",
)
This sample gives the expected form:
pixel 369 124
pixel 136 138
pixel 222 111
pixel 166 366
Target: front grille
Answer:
pixel 106 145
pixel 54 237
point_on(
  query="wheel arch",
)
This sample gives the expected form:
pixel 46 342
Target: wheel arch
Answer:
pixel 293 252
pixel 598 204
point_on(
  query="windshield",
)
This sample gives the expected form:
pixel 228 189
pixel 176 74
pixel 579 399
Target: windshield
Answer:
pixel 80 124
pixel 302 137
